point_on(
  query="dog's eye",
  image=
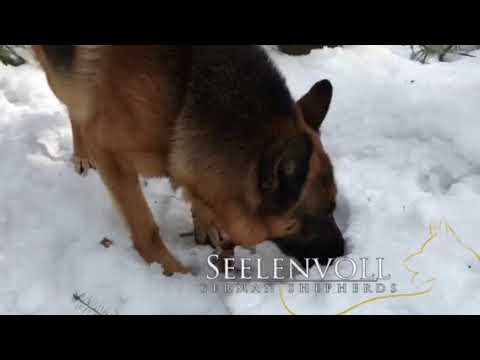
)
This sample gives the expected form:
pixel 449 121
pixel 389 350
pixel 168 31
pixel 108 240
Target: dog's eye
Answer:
pixel 291 227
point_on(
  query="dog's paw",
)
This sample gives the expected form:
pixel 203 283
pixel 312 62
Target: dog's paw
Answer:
pixel 82 165
pixel 205 231
pixel 175 267
pixel 158 253
pixel 207 235
pixel 224 255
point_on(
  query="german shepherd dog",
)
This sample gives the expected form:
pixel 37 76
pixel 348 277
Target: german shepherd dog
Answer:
pixel 220 123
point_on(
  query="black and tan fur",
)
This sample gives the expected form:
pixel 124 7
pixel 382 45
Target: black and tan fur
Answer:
pixel 220 122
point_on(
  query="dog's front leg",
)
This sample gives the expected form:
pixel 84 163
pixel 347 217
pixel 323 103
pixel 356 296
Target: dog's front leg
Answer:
pixel 206 232
pixel 124 185
pixel 203 224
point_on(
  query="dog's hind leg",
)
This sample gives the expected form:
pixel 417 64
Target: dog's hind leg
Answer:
pixel 123 183
pixel 80 159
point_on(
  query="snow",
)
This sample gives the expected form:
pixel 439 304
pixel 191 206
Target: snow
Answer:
pixel 404 140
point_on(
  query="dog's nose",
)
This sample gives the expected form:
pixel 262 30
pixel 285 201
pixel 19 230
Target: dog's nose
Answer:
pixel 333 249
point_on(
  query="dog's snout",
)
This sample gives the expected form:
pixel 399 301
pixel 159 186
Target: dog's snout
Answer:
pixel 326 242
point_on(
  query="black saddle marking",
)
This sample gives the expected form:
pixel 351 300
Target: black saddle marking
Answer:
pixel 60 56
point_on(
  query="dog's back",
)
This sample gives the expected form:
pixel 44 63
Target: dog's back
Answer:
pixel 239 85
pixel 85 77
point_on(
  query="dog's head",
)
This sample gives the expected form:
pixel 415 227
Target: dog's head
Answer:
pixel 296 183
pixel 298 187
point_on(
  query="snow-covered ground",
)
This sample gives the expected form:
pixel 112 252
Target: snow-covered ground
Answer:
pixel 404 138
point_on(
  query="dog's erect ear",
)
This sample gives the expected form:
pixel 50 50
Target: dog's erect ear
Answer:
pixel 316 103
pixel 284 171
